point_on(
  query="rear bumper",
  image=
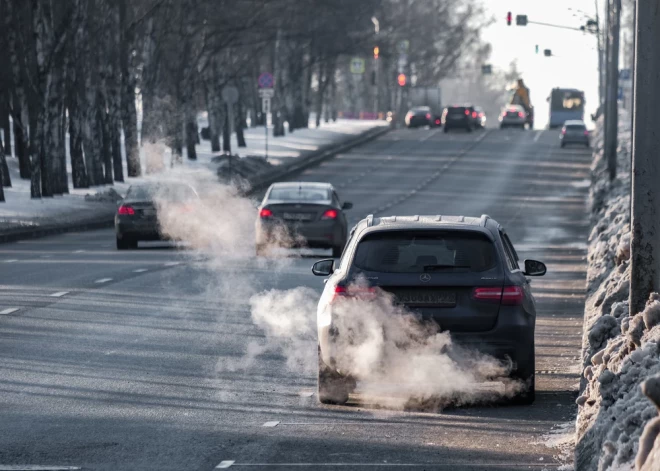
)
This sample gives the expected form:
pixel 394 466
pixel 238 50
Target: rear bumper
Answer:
pixel 140 230
pixel 584 140
pixel 513 122
pixel 512 339
pixel 325 234
pixel 457 123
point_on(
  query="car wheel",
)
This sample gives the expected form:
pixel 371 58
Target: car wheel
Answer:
pixel 502 126
pixel 528 395
pixel 563 145
pixel 333 388
pixel 446 129
pixel 126 243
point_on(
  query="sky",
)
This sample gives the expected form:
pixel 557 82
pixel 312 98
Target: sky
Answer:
pixel 574 63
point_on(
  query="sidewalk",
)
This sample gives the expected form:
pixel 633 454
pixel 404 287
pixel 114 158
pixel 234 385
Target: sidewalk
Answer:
pixel 83 209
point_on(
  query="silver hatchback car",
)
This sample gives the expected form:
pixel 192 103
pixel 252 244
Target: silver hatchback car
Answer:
pixel 302 214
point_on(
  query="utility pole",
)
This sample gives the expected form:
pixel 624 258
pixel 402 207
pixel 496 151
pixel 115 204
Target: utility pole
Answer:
pixel 599 42
pixel 645 245
pixel 611 103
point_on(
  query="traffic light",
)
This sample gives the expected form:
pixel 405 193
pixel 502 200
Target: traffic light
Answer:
pixel 508 18
pixel 521 20
pixel 376 52
pixel 401 79
pixel 547 52
pixel 537 48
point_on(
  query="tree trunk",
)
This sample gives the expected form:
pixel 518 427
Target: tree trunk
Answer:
pixel 213 130
pixel 191 135
pixel 240 124
pixel 78 171
pixel 4 123
pixel 226 131
pixel 63 176
pixel 5 178
pixel 106 144
pixel 115 137
pixel 20 146
pixel 127 99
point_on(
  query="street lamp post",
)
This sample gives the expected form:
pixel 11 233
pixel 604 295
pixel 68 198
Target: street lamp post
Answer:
pixel 374 20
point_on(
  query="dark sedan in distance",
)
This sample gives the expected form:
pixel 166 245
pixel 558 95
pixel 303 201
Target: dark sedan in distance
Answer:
pixel 302 214
pixel 137 216
pixel 574 132
pixel 458 117
pixel 419 116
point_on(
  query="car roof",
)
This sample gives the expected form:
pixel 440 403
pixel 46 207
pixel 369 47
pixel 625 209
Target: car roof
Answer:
pixel 574 122
pixel 484 224
pixel 311 185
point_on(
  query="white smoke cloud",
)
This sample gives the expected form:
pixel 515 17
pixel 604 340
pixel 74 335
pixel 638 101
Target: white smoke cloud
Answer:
pixel 398 360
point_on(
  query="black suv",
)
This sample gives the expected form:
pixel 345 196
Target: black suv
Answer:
pixel 460 272
pixel 458 117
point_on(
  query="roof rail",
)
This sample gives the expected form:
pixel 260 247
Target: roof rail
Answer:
pixel 484 219
pixel 370 220
pixel 416 217
pixel 461 218
pixel 438 217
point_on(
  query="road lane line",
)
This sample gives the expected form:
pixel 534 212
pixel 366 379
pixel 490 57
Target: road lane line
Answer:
pixel 225 464
pixel 59 294
pixel 35 467
pixel 10 310
pixel 271 424
pixel 103 280
pixel 140 270
pixel 79 251
pixel 172 264
pixel 11 260
pixel 538 135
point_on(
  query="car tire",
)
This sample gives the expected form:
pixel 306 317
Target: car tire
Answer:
pixel 502 126
pixel 528 395
pixel 446 129
pixel 468 129
pixel 333 388
pixel 562 145
pixel 126 243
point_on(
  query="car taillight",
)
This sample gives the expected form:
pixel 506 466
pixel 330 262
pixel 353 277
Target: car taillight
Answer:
pixel 428 115
pixel 563 131
pixel 481 115
pixel 265 213
pixel 437 121
pixel 359 292
pixel 520 113
pixel 509 295
pixel 126 210
pixel 586 133
pixel 330 214
pixel 467 112
pixel 474 114
pixel 512 295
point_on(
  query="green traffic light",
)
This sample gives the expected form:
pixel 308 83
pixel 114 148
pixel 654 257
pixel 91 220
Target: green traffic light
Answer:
pixel 537 48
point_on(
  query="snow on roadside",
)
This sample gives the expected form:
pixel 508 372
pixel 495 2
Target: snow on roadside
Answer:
pixel 620 351
pixel 561 438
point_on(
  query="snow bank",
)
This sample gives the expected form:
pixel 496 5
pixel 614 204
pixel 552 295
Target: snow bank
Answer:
pixel 619 351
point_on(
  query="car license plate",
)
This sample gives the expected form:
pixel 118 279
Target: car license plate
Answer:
pixel 426 298
pixel 297 216
pixel 149 212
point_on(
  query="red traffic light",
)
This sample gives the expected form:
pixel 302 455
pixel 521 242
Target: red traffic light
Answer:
pixel 402 80
pixel 376 52
pixel 508 18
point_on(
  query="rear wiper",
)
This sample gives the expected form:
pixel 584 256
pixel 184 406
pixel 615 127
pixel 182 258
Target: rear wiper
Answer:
pixel 441 267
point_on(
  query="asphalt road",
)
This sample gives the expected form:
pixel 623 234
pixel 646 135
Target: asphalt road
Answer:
pixel 136 361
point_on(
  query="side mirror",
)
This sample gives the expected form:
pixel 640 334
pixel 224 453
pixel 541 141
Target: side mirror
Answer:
pixel 535 268
pixel 324 267
pixel 347 205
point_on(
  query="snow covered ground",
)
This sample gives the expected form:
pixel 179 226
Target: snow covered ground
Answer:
pixel 620 351
pixel 20 212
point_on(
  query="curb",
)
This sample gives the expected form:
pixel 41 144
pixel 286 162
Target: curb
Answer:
pixel 99 223
pixel 256 185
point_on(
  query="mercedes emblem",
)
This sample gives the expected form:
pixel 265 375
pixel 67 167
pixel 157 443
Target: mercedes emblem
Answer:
pixel 425 278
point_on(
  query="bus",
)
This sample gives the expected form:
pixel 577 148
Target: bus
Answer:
pixel 565 104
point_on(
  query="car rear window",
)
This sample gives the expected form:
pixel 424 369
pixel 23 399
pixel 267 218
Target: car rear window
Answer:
pixel 576 127
pixel 419 252
pixel 456 110
pixel 299 194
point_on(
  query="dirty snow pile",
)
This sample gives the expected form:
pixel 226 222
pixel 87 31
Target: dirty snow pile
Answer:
pixel 621 353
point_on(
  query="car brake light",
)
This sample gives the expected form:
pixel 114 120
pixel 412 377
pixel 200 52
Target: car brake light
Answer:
pixel 467 112
pixel 563 131
pixel 474 114
pixel 126 210
pixel 520 113
pixel 481 115
pixel 437 121
pixel 512 295
pixel 509 295
pixel 330 214
pixel 586 133
pixel 265 213
pixel 428 115
pixel 361 292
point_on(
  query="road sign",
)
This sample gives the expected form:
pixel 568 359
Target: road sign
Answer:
pixel 402 46
pixel 357 65
pixel 266 80
pixel 265 105
pixel 230 94
pixel 266 92
pixel 521 20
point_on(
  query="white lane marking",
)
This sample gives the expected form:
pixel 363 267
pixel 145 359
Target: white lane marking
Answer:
pixel 271 424
pixel 140 270
pixel 538 135
pixel 103 280
pixel 9 310
pixel 79 251
pixel 11 260
pixel 225 464
pixel 59 294
pixel 306 393
pixel 35 467
pixel 172 264
pixel 46 256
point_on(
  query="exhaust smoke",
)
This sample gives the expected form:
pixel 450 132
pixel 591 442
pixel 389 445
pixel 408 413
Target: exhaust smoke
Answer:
pixel 397 359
